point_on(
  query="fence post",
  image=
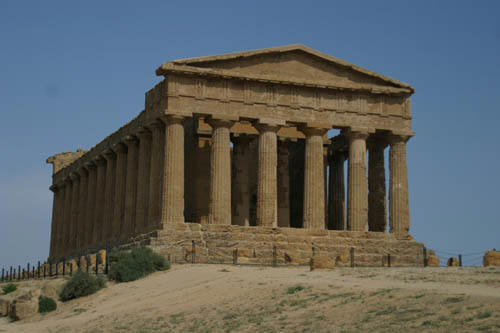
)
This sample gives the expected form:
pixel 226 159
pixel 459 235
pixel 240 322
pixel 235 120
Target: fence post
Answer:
pixel 274 255
pixel 388 260
pixel 96 264
pixel 3 270
pixel 235 256
pixel 193 247
pixel 28 271
pixel 460 260
pixel 19 272
pixel 33 271
pixel 44 270
pixel 425 257
pixel 88 262
pixel 352 256
pixel 50 269
pixel 64 267
pixel 14 273
pixel 106 268
pixel 10 276
pixel 71 268
pixel 38 268
pixel 57 268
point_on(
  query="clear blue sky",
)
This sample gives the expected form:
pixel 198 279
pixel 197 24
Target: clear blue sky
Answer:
pixel 71 72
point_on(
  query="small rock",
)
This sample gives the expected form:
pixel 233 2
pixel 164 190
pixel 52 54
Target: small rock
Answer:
pixel 453 262
pixel 432 261
pixel 491 258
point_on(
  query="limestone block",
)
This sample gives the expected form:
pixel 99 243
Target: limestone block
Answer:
pixel 83 262
pixel 321 261
pixel 433 261
pixel 452 261
pixel 102 257
pixel 491 258
pixel 343 258
pixel 5 305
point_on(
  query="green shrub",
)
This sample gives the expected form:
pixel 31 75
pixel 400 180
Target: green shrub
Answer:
pixel 46 304
pixel 293 290
pixel 130 266
pixel 9 288
pixel 81 284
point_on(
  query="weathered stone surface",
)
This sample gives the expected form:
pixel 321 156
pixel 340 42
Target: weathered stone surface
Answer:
pixel 321 261
pixel 453 262
pixel 433 261
pixel 491 258
pixel 277 105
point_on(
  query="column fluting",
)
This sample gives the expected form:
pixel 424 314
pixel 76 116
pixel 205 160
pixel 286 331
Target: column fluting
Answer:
pixel 57 190
pixel 157 145
pixel 91 202
pixel 283 185
pixel 143 172
pixel 109 195
pixel 267 184
pixel 399 215
pixel 314 178
pixel 336 198
pixel 357 204
pixel 220 173
pixel 131 186
pixel 73 230
pixel 118 227
pixel 377 200
pixel 99 201
pixel 67 218
pixel 240 196
pixel 172 203
pixel 82 208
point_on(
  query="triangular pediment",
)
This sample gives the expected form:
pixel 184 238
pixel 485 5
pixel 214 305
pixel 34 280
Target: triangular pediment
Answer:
pixel 296 63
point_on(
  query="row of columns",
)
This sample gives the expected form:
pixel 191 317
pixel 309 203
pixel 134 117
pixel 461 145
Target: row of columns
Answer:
pixel 366 206
pixel 139 183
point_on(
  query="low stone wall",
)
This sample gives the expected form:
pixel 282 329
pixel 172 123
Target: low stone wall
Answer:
pixel 282 246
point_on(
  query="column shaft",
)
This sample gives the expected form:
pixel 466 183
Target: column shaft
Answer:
pixel 157 146
pixel 67 219
pixel 283 185
pixel 143 172
pixel 336 198
pixel 131 187
pixel 172 205
pixel 399 218
pixel 314 178
pixel 55 219
pixel 240 196
pixel 377 200
pixel 267 207
pixel 109 195
pixel 99 201
pixel 82 209
pixel 74 213
pixel 91 202
pixel 220 174
pixel 357 205
pixel 120 191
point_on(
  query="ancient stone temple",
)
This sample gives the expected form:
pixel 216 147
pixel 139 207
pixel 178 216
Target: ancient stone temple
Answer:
pixel 233 158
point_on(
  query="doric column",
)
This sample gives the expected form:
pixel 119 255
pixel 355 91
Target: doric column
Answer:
pixel 120 191
pixel 99 201
pixel 283 185
pixel 56 217
pixel 91 202
pixel 336 189
pixel 143 172
pixel 82 208
pixel 67 217
pixel 357 201
pixel 157 146
pixel 241 192
pixel 73 230
pixel 220 173
pixel 314 178
pixel 172 203
pixel 399 215
pixel 131 186
pixel 377 200
pixel 109 195
pixel 267 201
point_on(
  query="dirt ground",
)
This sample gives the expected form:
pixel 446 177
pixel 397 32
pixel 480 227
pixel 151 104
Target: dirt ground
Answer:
pixel 224 298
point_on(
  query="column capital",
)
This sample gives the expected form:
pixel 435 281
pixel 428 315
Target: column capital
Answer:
pixel 173 118
pixel 377 142
pixel 120 148
pixel 74 176
pixel 396 138
pixel 154 124
pixel 108 154
pixel 220 123
pixel 82 171
pixel 130 139
pixel 356 134
pixel 143 133
pixel 99 160
pixel 89 165
pixel 313 131
pixel 54 188
pixel 262 127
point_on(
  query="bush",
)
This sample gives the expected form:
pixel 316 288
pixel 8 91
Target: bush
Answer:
pixel 9 288
pixel 46 304
pixel 81 284
pixel 130 266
